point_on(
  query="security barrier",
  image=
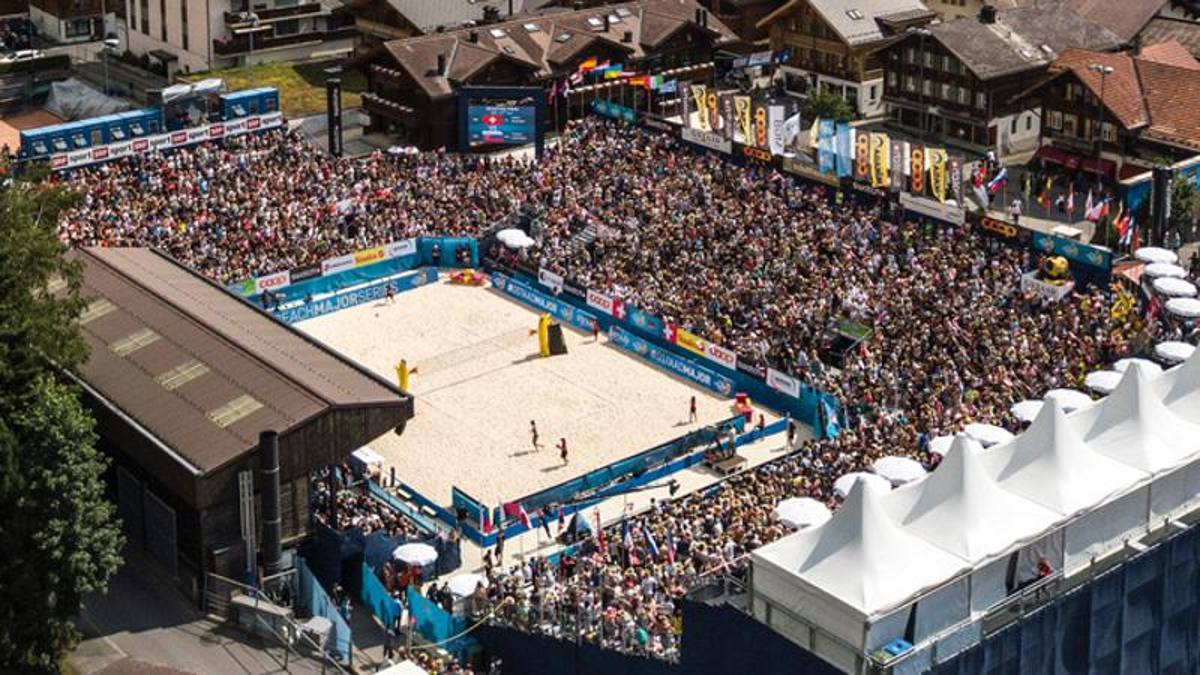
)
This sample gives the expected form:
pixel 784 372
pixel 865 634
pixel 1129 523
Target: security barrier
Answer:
pixel 316 602
pixel 355 295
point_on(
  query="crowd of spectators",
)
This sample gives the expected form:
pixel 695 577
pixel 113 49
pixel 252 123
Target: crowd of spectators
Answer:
pixel 354 508
pixel 740 255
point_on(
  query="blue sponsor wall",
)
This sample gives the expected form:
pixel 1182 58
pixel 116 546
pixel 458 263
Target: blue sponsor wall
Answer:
pixel 447 246
pixel 356 296
pixel 1089 264
pixel 678 365
pixel 556 307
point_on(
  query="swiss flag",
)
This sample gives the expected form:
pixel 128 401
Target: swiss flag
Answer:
pixel 618 308
pixel 669 333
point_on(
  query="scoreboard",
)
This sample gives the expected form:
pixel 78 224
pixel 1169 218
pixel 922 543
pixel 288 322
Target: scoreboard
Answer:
pixel 495 124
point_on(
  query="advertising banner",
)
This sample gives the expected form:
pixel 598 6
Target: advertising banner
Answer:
pixel 602 302
pixel 272 282
pixel 956 181
pixel 550 280
pixel 727 118
pixel 757 372
pixel 881 153
pixel 305 273
pixel 845 150
pixel 783 383
pixel 358 296
pixel 741 107
pixel 825 146
pixel 643 320
pixel 862 157
pixel 338 264
pixel 367 256
pixel 1093 256
pixel 803 167
pixel 670 362
pixel 760 127
pixel 775 119
pixel 708 139
pixel 399 249
pixel 102 153
pixel 701 347
pixel 949 212
pixel 1052 292
pixel 916 166
pixel 685 102
pixel 939 173
pixel 897 166
pixel 244 288
pixel 714 111
pixel 700 94
pixel 559 309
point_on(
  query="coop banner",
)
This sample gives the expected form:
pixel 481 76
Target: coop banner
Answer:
pixel 668 361
pixel 699 346
pixel 357 296
pixel 559 309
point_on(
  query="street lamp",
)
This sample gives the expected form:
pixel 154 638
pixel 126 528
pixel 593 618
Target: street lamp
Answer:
pixel 1104 71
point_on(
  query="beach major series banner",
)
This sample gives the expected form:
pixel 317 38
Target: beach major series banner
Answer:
pixel 563 311
pixel 668 361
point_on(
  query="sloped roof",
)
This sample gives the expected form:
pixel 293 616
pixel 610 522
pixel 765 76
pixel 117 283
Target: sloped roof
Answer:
pixel 427 15
pixel 1122 89
pixel 1165 29
pixel 202 370
pixel 861 557
pixel 1125 18
pixel 1021 39
pixel 1173 98
pixel 858 21
pixel 542 43
pixel 961 508
pixel 1171 53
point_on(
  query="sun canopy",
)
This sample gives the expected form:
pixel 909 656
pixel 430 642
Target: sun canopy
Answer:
pixel 801 512
pixel 987 434
pixel 1154 254
pixel 1102 381
pixel 1156 270
pixel 1174 352
pixel 416 554
pixel 842 486
pixel 514 238
pixel 1188 308
pixel 1069 399
pixel 899 470
pixel 1175 287
pixel 463 585
pixel 941 444
pixel 1151 367
pixel 1026 410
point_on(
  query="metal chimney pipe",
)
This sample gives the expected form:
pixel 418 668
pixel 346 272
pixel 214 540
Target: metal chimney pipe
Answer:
pixel 268 458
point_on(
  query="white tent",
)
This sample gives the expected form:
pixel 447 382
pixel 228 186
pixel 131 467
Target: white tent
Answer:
pixel 1102 381
pixel 1156 270
pixel 987 434
pixel 801 512
pixel 1135 427
pixel 899 470
pixel 1150 367
pixel 1154 254
pixel 843 485
pixel 1175 287
pixel 1050 464
pixel 961 509
pixel 1069 399
pixel 1179 388
pixel 1188 308
pixel 1173 351
pixel 514 238
pixel 405 667
pixel 1026 410
pixel 941 444
pixel 851 571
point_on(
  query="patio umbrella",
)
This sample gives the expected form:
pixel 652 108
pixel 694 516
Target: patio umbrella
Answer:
pixel 1102 381
pixel 1188 308
pixel 1156 270
pixel 514 238
pixel 1069 399
pixel 801 512
pixel 1175 287
pixel 463 585
pixel 416 554
pixel 1175 352
pixel 987 434
pixel 1026 410
pixel 1154 254
pixel 843 485
pixel 899 470
pixel 1148 367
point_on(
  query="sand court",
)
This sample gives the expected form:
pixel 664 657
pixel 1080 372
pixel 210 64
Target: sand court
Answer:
pixel 479 382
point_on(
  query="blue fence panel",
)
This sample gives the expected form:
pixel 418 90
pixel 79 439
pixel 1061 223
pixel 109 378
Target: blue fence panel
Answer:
pixel 664 359
pixel 1143 612
pixel 556 307
pixel 375 596
pixel 1107 609
pixel 435 623
pixel 354 296
pixel 318 603
pixel 447 246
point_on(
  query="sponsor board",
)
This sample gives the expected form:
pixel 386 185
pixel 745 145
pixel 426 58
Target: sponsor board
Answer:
pixel 367 256
pixel 399 249
pixel 270 282
pixel 757 154
pixel 358 296
pixel 103 153
pixel 757 372
pixel 950 213
pixel 338 264
pixel 783 383
pixel 600 301
pixel 244 288
pixel 671 362
pixel 550 280
pixel 563 311
pixel 998 227
pixel 701 347
pixel 1053 292
pixel 708 139
pixel 808 171
pixel 645 321
pixel 1093 256
pixel 654 123
pixel 308 272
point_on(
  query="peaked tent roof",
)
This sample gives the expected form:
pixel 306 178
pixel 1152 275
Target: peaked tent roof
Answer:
pixel 1050 464
pixel 1133 426
pixel 1179 388
pixel 961 508
pixel 862 557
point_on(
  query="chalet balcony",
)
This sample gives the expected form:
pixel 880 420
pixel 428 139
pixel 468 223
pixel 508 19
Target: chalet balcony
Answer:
pixel 242 19
pixel 248 43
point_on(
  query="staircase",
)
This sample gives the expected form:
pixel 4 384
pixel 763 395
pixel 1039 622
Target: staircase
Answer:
pixel 581 241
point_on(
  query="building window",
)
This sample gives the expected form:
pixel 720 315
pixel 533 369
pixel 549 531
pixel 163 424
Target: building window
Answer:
pixel 891 80
pixel 910 55
pixel 910 83
pixel 964 96
pixel 947 92
pixel 1069 125
pixel 78 27
pixel 183 21
pixel 1029 122
pixel 289 27
pixel 927 87
pixel 1054 120
pixel 145 7
pixel 928 59
pixel 1012 127
pixel 874 92
pixel 162 17
pixel 1108 132
pixel 981 100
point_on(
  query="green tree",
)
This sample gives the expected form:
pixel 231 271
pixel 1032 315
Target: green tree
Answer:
pixel 1184 204
pixel 827 104
pixel 60 538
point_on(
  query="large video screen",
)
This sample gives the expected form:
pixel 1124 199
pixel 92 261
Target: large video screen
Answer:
pixel 499 124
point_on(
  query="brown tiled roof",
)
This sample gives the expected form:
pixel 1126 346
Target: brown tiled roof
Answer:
pixel 1122 91
pixel 1162 29
pixel 1124 17
pixel 1173 97
pixel 1171 53
pixel 555 40
pixel 200 370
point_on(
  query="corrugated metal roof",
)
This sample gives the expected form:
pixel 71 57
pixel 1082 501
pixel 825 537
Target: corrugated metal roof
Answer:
pixel 200 369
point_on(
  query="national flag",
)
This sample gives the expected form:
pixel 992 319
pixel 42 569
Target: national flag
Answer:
pixel 485 520
pixel 671 547
pixel 640 81
pixel 650 543
pixel 1027 191
pixel 552 92
pixel 669 87
pixel 1127 231
pixel 575 78
pixel 600 533
pixel 1071 200
pixel 516 511
pixel 1089 204
pixel 1098 210
pixel 613 73
pixel 791 129
pixel 998 183
pixel 626 535
pixel 588 65
pixel 1044 198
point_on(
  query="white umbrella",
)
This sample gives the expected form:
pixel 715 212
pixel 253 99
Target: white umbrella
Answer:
pixel 415 554
pixel 514 238
pixel 899 470
pixel 463 585
pixel 1102 381
pixel 1149 367
pixel 1156 270
pixel 843 485
pixel 1188 308
pixel 1175 352
pixel 1069 399
pixel 1175 287
pixel 801 512
pixel 941 444
pixel 1026 410
pixel 987 434
pixel 1154 254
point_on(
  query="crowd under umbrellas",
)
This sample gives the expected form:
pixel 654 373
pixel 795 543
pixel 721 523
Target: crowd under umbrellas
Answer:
pixel 745 257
